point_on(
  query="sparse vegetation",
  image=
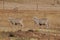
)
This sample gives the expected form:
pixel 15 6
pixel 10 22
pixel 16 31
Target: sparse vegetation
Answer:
pixel 36 32
pixel 19 38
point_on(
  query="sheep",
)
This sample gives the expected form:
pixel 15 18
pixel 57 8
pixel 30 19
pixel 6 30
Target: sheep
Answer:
pixel 42 21
pixel 16 21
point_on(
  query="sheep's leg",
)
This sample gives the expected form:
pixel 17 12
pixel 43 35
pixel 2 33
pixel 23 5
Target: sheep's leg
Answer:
pixel 15 23
pixel 21 24
pixel 40 24
pixel 47 25
pixel 12 23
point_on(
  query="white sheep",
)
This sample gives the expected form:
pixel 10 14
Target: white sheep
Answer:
pixel 16 21
pixel 42 21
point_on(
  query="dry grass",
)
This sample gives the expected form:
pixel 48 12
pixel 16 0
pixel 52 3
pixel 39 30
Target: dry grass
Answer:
pixel 53 17
pixel 27 35
pixel 49 2
pixel 40 33
pixel 27 15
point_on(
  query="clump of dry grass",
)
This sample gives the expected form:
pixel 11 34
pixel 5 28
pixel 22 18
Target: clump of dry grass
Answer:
pixel 19 38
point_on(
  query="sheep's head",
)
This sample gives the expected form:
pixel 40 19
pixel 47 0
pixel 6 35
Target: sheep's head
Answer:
pixel 34 18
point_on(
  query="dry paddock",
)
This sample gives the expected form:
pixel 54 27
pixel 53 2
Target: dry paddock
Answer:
pixel 27 15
